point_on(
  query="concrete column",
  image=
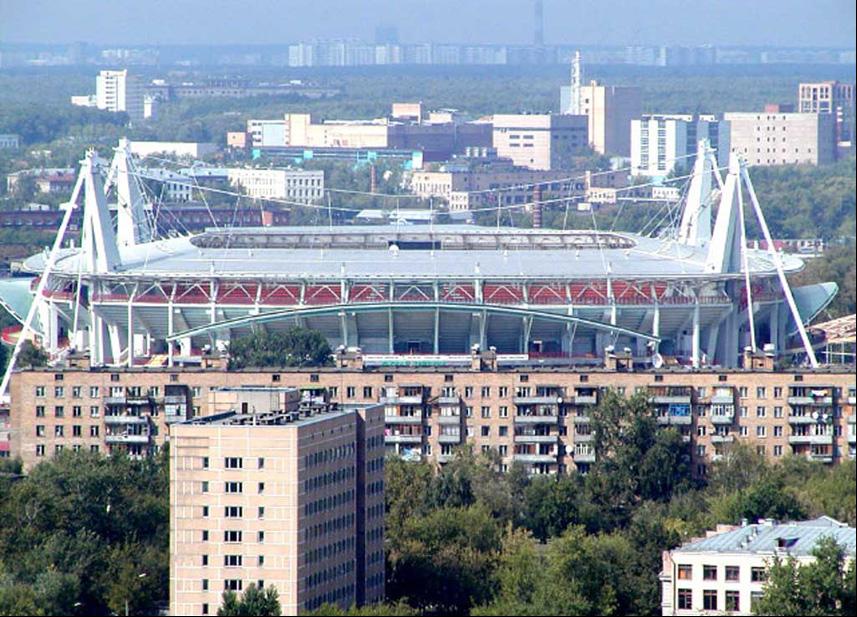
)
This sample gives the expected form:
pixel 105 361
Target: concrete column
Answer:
pixel 694 344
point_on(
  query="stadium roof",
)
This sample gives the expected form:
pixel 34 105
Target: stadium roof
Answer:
pixel 392 252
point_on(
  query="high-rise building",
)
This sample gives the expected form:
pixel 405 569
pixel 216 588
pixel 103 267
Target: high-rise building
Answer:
pixel 610 110
pixel 291 498
pixel 661 144
pixel 830 97
pixel 119 91
pixel 764 138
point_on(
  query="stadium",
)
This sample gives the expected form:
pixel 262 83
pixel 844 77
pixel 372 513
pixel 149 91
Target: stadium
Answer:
pixel 693 294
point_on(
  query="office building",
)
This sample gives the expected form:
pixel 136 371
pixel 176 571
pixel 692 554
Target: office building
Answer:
pixel 726 571
pixel 830 97
pixel 763 138
pixel 119 91
pixel 291 498
pixel 609 110
pixel 661 144
pixel 540 141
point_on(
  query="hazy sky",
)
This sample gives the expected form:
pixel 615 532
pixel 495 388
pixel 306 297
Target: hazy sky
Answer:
pixel 586 22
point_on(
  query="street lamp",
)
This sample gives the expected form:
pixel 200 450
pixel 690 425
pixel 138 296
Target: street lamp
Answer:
pixel 141 575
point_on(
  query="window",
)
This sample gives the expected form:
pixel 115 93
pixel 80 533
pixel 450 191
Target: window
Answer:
pixel 685 599
pixel 755 596
pixel 733 601
pixel 205 560
pixel 233 462
pixel 709 573
pixel 261 464
pixel 233 512
pixel 205 584
pixel 685 572
pixel 232 561
pixel 40 411
pixel 261 487
pixel 733 573
pixel 205 535
pixel 758 575
pixel 205 462
pixel 205 486
pixel 232 536
pixel 261 512
pixel 232 584
pixel 234 487
pixel 709 600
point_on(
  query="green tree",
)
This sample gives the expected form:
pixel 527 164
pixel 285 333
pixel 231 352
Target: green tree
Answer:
pixel 253 602
pixel 825 586
pixel 369 610
pixel 294 347
pixel 30 355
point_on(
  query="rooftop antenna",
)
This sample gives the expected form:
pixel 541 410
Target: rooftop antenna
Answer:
pixel 576 80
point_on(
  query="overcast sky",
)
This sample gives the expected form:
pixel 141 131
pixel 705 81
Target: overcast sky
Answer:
pixel 584 22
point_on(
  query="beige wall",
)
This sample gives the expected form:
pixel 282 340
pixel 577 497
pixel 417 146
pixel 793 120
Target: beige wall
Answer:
pixel 540 141
pixel 355 386
pixel 610 110
pixel 783 138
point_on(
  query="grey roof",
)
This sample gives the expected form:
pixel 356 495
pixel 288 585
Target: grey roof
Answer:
pixel 645 258
pixel 762 538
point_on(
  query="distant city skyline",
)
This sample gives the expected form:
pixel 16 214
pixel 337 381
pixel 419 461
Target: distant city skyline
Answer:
pixel 825 23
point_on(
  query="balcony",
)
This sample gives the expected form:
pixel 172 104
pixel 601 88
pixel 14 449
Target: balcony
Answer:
pixel 175 399
pixel 403 438
pixel 394 419
pixel 675 420
pixel 582 438
pixel 448 400
pixel 586 399
pixel 535 458
pixel 448 438
pixel 125 419
pixel 403 399
pixel 671 395
pixel 444 458
pixel 808 419
pixel 820 457
pixel 537 400
pixel 551 419
pixel 723 418
pixel 811 439
pixel 584 457
pixel 115 400
pixel 813 401
pixel 852 399
pixel 723 399
pixel 135 439
pixel 441 419
pixel 138 399
pixel 533 438
pixel 722 438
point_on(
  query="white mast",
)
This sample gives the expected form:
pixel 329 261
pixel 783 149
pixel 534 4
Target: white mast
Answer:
pixel 695 227
pixel 132 225
pixel 98 240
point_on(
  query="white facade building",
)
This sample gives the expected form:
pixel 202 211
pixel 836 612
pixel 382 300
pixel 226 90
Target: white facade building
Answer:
pixel 726 572
pixel 290 184
pixel 118 91
pixel 9 141
pixel 191 149
pixel 661 144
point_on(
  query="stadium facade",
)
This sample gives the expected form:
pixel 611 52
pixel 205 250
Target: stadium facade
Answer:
pixel 428 293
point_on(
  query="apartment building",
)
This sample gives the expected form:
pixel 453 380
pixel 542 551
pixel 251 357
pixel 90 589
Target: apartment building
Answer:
pixel 540 141
pixel 119 91
pixel 292 184
pixel 290 498
pixel 530 413
pixel 783 138
pixel 834 98
pixel 725 572
pixel 661 144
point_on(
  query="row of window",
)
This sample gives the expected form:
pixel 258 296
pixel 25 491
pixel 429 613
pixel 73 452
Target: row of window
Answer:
pixel 731 597
pixel 758 574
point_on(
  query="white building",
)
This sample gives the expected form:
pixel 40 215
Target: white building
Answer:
pixel 9 141
pixel 119 91
pixel 191 149
pixel 725 572
pixel 661 143
pixel 290 184
pixel 169 185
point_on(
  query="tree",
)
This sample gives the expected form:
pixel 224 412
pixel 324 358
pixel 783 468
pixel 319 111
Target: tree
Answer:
pixel 399 609
pixel 254 602
pixel 30 355
pixel 295 347
pixel 825 586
